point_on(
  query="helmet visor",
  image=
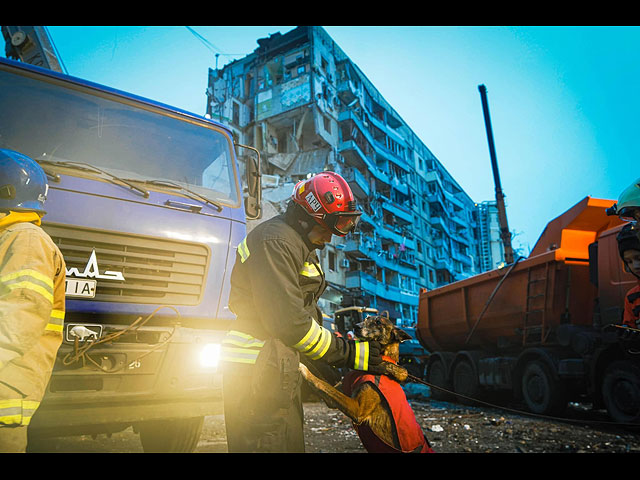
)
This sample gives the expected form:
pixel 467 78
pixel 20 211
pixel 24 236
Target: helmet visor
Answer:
pixel 630 214
pixel 342 223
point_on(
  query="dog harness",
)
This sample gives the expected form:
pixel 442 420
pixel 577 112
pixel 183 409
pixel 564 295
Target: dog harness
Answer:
pixel 410 435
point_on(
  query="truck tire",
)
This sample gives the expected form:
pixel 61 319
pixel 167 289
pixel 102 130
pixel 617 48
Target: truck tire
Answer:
pixel 621 392
pixel 465 383
pixel 171 436
pixel 542 392
pixel 437 376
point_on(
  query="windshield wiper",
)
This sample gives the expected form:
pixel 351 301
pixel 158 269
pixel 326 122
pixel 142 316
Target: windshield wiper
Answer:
pixel 52 175
pixel 90 168
pixel 191 193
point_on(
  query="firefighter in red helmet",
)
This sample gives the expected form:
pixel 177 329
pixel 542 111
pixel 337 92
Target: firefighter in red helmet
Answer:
pixel 275 285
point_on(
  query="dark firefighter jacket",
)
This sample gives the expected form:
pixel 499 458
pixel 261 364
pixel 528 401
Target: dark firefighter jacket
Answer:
pixel 275 285
pixel 409 432
pixel 32 305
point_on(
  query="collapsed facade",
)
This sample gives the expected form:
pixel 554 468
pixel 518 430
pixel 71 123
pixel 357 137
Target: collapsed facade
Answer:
pixel 308 108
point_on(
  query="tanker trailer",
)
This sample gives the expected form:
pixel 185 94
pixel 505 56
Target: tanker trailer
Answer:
pixel 538 330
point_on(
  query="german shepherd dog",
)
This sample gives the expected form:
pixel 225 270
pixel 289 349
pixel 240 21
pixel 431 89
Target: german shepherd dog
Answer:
pixel 377 406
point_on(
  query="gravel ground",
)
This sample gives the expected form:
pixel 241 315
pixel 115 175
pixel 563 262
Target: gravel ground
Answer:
pixel 451 428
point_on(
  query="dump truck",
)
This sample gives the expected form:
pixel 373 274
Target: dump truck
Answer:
pixel 544 330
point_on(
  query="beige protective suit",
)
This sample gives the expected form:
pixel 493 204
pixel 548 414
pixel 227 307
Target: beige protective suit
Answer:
pixel 32 306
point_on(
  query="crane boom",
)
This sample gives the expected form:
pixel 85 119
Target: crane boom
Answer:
pixel 505 235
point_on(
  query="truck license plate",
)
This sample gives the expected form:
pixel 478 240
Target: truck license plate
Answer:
pixel 80 288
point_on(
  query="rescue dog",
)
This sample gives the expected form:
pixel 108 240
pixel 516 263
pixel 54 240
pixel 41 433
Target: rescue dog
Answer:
pixel 383 424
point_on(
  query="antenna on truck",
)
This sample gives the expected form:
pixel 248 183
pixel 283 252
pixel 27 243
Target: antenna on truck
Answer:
pixel 502 212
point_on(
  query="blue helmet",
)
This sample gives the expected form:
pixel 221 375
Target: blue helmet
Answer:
pixel 23 183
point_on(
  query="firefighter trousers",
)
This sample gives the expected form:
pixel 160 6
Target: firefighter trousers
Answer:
pixel 263 403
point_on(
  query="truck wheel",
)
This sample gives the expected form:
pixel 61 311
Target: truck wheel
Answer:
pixel 465 382
pixel 621 392
pixel 542 393
pixel 171 436
pixel 437 376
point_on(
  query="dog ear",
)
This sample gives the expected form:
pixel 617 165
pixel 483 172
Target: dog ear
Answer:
pixel 400 335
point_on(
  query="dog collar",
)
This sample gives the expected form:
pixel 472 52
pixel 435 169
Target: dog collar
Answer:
pixel 388 359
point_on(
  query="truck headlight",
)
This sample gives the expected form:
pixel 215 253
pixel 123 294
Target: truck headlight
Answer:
pixel 210 355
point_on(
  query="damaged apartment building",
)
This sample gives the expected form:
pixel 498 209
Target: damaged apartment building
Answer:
pixel 308 108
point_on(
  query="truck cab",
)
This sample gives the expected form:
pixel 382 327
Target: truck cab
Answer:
pixel 146 204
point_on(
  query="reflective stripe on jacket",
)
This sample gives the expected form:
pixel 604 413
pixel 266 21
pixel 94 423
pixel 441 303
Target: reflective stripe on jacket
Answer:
pixel 239 347
pixel 275 285
pixel 32 309
pixel 17 411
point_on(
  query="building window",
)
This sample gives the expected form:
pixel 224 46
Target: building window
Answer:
pixel 327 124
pixel 323 63
pixel 332 261
pixel 236 113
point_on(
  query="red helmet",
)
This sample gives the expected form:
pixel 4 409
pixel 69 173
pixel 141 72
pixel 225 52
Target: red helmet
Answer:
pixel 329 200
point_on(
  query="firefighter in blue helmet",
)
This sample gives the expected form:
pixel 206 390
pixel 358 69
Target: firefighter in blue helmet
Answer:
pixel 32 303
pixel 275 285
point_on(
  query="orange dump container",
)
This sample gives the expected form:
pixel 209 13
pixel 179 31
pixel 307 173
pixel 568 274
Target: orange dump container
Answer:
pixel 529 298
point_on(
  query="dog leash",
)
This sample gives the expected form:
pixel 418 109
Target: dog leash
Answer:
pixel 516 411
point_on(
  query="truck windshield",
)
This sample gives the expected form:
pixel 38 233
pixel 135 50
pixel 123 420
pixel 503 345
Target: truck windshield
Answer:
pixel 51 120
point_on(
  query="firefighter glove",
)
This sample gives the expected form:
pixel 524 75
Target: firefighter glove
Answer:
pixel 364 356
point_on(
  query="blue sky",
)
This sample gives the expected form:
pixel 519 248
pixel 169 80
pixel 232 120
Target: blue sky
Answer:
pixel 564 100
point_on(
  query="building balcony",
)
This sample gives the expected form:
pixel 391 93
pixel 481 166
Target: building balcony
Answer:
pixel 347 91
pixel 386 260
pixel 361 246
pixel 443 263
pixel 370 285
pixel 361 281
pixel 462 257
pixel 440 224
pixel 356 158
pixel 458 219
pixel 399 211
pixel 389 234
pixel 400 185
pixel 358 183
pixel 373 220
pixel 366 248
pixel 454 199
pixel 387 154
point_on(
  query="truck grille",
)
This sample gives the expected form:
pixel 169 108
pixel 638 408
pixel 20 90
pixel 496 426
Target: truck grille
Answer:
pixel 155 270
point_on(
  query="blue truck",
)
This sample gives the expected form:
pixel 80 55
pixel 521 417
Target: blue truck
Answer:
pixel 147 204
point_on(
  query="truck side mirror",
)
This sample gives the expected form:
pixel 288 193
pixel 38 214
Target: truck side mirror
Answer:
pixel 253 201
